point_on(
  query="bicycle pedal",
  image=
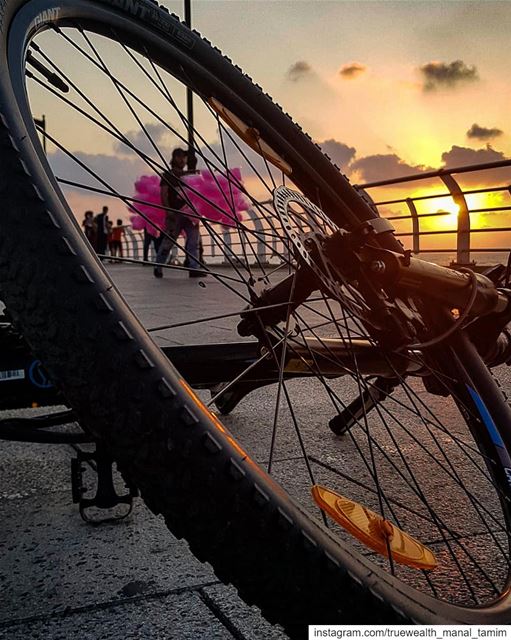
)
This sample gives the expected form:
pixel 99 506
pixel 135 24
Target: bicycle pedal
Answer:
pixel 106 497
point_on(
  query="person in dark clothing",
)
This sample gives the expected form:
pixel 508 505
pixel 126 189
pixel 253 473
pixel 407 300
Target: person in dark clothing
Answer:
pixel 148 239
pixel 101 225
pixel 172 196
pixel 88 227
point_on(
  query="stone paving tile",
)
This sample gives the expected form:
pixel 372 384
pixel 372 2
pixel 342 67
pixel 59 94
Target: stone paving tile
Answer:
pixel 69 575
pixel 174 617
pixel 248 621
pixel 114 581
pixel 29 469
pixel 52 560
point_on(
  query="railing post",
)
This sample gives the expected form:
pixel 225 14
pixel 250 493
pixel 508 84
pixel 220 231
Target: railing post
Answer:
pixel 258 226
pixel 226 237
pixel 463 230
pixel 133 239
pixel 212 245
pixel 415 226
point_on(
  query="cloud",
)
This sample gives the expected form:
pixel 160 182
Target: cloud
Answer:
pixel 384 167
pixel 159 133
pixel 338 152
pixel 389 166
pixel 352 70
pixel 119 173
pixel 483 133
pixel 299 70
pixel 443 75
pixel 463 156
pixel 122 166
pixel 238 156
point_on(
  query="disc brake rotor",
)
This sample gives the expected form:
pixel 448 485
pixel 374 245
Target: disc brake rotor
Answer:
pixel 307 230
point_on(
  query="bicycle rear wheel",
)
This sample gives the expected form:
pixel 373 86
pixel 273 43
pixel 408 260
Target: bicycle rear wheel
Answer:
pixel 251 525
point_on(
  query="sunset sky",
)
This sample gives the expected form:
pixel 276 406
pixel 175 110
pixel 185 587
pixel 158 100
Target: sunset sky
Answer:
pixel 386 87
pixel 384 77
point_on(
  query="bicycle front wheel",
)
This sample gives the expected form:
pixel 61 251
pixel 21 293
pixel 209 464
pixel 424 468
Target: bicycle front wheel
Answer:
pixel 256 524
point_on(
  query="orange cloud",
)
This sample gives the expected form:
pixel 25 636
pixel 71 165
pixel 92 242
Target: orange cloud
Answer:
pixel 352 70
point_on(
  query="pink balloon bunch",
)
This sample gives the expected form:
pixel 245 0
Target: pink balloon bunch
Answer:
pixel 214 197
pixel 147 189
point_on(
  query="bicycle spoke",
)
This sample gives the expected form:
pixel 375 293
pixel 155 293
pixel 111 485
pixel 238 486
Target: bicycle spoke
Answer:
pixel 239 377
pixel 455 538
pixel 280 364
pixel 123 139
pixel 404 451
pixel 160 120
pixel 221 316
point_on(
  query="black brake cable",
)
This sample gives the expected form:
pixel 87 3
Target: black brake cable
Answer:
pixel 459 322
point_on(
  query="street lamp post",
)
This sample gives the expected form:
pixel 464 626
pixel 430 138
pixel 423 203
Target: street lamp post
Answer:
pixel 189 94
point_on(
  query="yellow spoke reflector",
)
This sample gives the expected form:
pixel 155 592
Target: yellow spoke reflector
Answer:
pixel 251 136
pixel 373 530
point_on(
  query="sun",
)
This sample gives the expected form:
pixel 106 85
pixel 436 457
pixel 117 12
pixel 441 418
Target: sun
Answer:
pixel 438 213
pixel 451 209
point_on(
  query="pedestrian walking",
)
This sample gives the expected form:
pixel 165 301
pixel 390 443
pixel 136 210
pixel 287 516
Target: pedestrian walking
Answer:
pixel 151 237
pixel 173 197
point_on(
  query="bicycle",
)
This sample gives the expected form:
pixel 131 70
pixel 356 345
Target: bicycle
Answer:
pixel 380 542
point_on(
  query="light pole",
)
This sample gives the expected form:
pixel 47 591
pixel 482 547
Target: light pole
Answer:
pixel 189 94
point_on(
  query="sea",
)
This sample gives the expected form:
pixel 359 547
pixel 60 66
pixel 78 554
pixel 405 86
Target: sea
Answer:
pixel 479 257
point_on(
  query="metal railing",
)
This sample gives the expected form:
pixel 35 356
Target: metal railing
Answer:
pixel 224 242
pixel 460 197
pixel 221 244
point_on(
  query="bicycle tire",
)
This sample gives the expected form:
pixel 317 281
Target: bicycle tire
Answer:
pixel 186 466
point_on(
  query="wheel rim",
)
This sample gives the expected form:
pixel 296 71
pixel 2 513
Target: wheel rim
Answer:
pixel 380 445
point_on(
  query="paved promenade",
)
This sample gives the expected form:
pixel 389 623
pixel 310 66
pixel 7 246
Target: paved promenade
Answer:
pixel 61 578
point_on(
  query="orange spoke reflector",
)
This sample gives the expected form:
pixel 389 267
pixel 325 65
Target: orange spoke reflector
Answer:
pixel 250 136
pixel 373 530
